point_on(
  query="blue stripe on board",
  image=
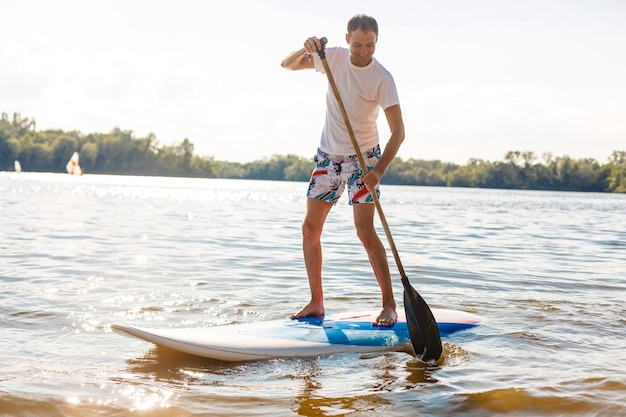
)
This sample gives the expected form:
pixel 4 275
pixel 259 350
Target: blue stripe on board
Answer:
pixel 371 335
pixel 336 336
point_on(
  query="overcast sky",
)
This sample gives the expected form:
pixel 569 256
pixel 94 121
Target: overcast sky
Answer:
pixel 476 78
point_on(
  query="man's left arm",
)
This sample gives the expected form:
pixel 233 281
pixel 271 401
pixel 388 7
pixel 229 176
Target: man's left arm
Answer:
pixel 396 125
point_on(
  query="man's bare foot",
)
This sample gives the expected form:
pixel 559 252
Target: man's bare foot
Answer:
pixel 309 310
pixel 387 317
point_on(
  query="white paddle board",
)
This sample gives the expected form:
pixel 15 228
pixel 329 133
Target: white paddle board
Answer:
pixel 311 336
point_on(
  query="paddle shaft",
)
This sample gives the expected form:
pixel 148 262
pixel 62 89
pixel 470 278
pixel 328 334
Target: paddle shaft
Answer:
pixel 359 155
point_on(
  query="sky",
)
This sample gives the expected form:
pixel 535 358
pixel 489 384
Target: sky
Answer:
pixel 476 78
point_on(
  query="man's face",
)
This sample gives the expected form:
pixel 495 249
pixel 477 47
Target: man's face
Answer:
pixel 362 47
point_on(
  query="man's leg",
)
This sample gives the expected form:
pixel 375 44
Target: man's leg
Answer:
pixel 312 226
pixel 364 223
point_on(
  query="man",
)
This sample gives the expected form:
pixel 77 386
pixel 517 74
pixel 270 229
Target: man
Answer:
pixel 364 85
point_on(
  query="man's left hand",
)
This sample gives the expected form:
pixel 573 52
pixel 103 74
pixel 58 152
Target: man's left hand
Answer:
pixel 371 179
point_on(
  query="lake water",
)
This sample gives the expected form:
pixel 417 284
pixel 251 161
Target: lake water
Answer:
pixel 547 271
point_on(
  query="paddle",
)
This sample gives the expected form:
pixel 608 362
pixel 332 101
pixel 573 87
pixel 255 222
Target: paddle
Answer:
pixel 420 321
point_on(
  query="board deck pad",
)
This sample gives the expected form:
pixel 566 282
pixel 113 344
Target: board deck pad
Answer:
pixel 311 336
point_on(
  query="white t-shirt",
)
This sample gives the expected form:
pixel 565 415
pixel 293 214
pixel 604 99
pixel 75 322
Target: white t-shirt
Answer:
pixel 363 90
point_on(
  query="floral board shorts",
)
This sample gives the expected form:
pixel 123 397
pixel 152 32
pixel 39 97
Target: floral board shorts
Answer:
pixel 333 172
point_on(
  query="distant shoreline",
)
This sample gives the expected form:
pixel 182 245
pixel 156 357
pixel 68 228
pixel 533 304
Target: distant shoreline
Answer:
pixel 119 152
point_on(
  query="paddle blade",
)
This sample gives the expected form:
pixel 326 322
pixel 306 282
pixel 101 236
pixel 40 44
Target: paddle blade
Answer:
pixel 422 326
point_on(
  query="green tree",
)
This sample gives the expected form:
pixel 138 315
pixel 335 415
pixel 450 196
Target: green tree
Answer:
pixel 88 154
pixel 299 169
pixel 63 148
pixel 616 179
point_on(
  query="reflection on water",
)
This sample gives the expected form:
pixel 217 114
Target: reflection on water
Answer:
pixel 312 386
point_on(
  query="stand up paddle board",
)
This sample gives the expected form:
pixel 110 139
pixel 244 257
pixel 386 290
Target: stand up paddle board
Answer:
pixel 311 336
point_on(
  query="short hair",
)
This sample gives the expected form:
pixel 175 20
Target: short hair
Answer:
pixel 363 22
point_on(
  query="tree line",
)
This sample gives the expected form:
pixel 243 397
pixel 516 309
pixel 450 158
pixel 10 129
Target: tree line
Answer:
pixel 120 152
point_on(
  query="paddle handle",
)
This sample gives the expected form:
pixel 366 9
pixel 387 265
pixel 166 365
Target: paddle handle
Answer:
pixel 379 208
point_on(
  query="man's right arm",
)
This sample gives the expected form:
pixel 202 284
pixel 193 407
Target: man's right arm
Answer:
pixel 303 57
pixel 298 60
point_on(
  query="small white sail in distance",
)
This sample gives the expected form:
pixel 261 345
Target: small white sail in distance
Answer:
pixel 18 166
pixel 72 166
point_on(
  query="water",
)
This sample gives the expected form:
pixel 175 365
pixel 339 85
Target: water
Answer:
pixel 545 269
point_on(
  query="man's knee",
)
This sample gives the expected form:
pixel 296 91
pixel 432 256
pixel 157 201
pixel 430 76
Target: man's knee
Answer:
pixel 311 232
pixel 367 235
